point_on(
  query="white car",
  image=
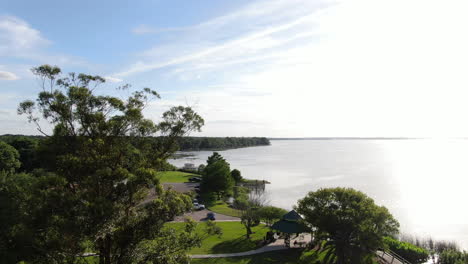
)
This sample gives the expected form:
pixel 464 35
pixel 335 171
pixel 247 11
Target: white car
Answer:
pixel 198 206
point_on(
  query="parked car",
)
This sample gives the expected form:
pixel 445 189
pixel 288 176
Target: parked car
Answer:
pixel 211 216
pixel 198 206
pixel 195 179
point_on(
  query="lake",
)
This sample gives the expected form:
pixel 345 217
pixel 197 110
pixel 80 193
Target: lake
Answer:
pixel 423 182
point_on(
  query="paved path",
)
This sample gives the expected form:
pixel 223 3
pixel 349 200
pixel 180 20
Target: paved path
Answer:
pixel 277 245
pixel 201 216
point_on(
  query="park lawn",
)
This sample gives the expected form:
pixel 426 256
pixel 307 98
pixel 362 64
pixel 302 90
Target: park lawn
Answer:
pixel 290 256
pixel 221 207
pixel 175 176
pixel 233 239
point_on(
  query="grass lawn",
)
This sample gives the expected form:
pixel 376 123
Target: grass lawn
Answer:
pixel 175 176
pixel 290 256
pixel 233 239
pixel 221 207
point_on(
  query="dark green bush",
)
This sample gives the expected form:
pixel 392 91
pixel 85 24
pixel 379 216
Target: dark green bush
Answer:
pixel 453 257
pixel 406 250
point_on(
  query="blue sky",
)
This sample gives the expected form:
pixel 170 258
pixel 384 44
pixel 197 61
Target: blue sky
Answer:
pixel 279 68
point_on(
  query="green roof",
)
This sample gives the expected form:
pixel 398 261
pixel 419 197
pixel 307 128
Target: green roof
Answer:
pixel 290 224
pixel 292 216
pixel 289 227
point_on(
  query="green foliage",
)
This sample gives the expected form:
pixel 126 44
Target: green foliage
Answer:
pixel 349 221
pixel 451 256
pixel 98 168
pixel 240 192
pixel 214 158
pixel 201 169
pixel 27 149
pixel 236 175
pixel 200 143
pixel 250 218
pixel 269 214
pixel 211 228
pixel 15 237
pixel 217 176
pixel 9 158
pixel 406 250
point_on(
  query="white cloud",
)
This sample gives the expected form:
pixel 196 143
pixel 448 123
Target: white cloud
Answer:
pixel 17 37
pixel 354 68
pixel 4 75
pixel 19 40
pixel 230 39
pixel 112 79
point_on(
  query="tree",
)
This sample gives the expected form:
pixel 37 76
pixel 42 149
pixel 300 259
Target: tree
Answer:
pixel 27 149
pixel 236 175
pixel 201 169
pixel 270 214
pixel 249 218
pixel 249 209
pixel 9 158
pixel 217 176
pixel 352 225
pixel 214 158
pixel 16 239
pixel 102 167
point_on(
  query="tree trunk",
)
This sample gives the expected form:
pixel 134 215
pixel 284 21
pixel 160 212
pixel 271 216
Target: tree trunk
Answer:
pixel 249 230
pixel 108 250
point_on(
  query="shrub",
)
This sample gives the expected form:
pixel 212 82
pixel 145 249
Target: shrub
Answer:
pixel 451 256
pixel 406 250
pixel 269 214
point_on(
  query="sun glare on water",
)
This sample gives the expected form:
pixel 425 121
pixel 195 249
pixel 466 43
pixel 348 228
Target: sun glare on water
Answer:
pixel 432 177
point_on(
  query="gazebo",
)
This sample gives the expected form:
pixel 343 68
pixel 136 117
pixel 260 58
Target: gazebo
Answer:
pixel 290 224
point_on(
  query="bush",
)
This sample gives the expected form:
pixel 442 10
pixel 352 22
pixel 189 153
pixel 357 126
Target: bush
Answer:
pixel 208 198
pixel 451 256
pixel 269 214
pixel 406 250
pixel 240 192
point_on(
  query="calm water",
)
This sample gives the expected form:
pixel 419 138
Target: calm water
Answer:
pixel 422 182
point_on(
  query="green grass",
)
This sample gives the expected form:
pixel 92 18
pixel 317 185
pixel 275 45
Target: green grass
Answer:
pixel 175 176
pixel 233 239
pixel 290 256
pixel 221 207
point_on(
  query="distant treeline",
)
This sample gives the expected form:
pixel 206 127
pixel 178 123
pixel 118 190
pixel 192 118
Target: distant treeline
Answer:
pixel 199 143
pixel 186 143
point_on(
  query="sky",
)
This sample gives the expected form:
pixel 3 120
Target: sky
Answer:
pixel 275 68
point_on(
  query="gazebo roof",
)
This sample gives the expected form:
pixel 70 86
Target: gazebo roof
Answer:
pixel 289 227
pixel 292 216
pixel 290 223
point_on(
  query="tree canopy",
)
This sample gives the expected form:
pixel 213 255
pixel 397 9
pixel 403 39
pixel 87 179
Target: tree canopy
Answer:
pixel 98 170
pixel 217 175
pixel 236 175
pixel 9 158
pixel 352 225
